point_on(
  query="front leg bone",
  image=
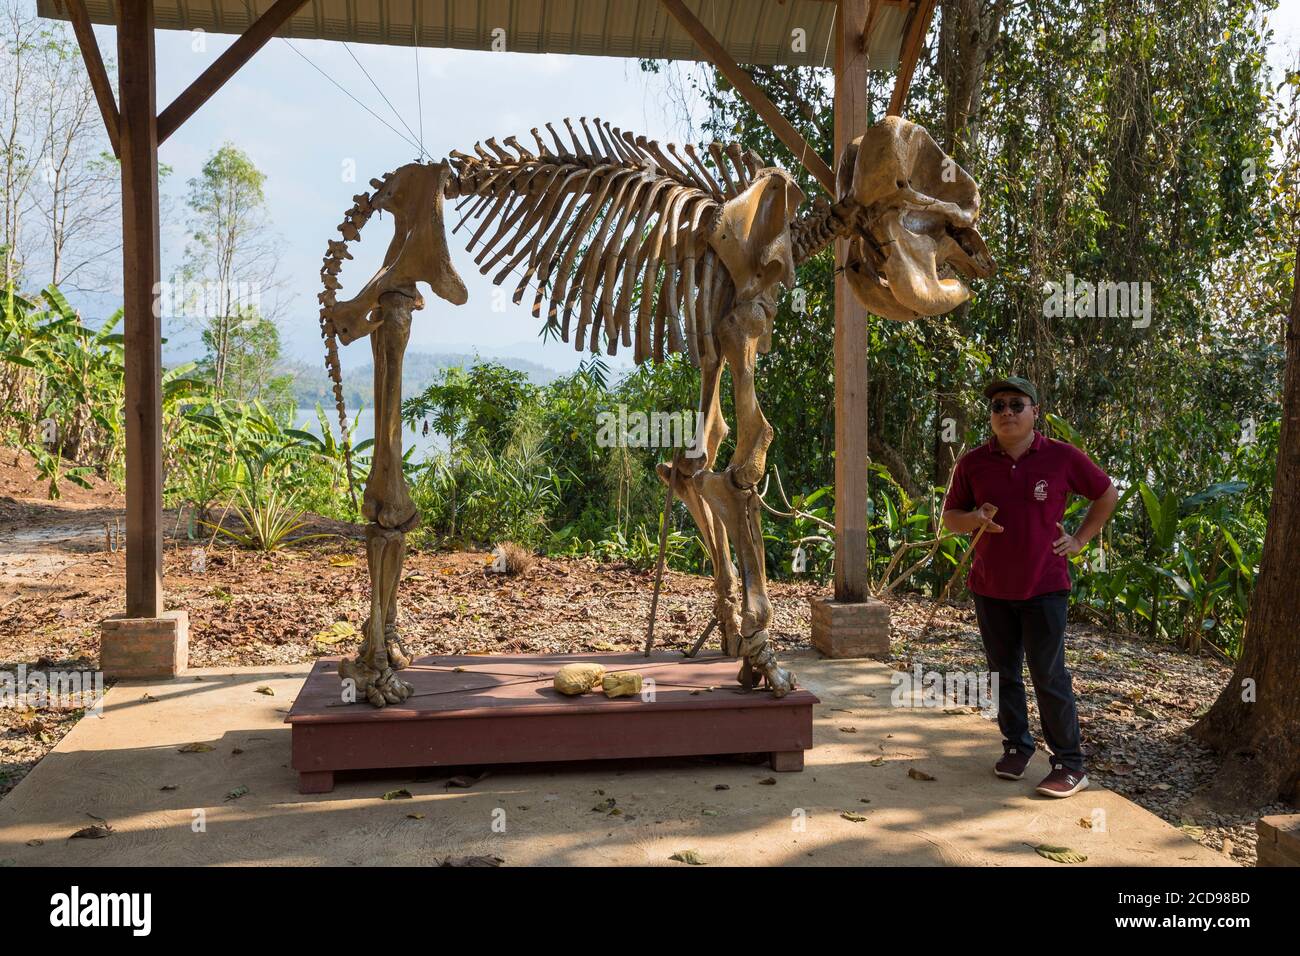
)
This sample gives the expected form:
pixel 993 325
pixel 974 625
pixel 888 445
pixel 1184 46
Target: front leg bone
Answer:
pixel 387 500
pixel 733 497
pixel 388 504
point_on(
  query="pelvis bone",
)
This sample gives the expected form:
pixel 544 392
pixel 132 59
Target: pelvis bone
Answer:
pixel 916 230
pixel 418 252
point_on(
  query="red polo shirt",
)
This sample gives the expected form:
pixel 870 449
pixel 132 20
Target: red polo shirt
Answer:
pixel 1031 494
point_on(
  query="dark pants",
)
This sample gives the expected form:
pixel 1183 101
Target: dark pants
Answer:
pixel 1032 629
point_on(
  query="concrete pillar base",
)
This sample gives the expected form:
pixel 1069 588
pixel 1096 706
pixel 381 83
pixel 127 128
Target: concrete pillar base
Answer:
pixel 144 646
pixel 850 630
pixel 1279 840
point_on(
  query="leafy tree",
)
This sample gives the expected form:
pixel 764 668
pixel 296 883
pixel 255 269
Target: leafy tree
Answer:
pixel 227 279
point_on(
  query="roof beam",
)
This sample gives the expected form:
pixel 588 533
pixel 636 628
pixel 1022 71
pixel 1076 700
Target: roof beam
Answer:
pixel 226 66
pixel 756 98
pixel 99 81
pixel 917 27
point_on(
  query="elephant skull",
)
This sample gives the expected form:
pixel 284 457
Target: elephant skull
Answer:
pixel 916 211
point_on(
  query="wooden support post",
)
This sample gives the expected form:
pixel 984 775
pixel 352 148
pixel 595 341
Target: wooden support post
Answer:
pixel 850 327
pixel 852 624
pixel 141 276
pixel 746 87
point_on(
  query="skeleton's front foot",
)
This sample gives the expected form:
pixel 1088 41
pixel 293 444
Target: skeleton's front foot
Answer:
pixel 760 661
pixel 379 686
pixel 780 680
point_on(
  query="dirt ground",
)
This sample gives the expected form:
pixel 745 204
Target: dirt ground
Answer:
pixel 61 573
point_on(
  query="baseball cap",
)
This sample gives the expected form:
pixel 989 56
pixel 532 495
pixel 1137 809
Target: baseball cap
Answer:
pixel 1012 383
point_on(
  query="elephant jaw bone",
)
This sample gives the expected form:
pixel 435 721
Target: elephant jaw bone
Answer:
pixel 417 253
pixel 917 223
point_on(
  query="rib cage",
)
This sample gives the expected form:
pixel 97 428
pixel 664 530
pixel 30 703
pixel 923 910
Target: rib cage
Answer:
pixel 611 231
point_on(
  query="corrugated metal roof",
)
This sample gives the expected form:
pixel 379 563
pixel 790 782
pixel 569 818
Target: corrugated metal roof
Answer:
pixel 753 31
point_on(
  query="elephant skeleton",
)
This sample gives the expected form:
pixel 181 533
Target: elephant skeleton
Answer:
pixel 660 251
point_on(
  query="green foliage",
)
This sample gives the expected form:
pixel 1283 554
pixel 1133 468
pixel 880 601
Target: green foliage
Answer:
pixel 1160 153
pixel 229 267
pixel 62 387
pixel 245 456
pixel 267 518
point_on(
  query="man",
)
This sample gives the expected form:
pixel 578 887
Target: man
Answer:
pixel 1019 575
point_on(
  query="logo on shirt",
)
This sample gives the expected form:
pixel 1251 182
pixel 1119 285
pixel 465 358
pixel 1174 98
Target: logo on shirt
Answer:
pixel 1040 490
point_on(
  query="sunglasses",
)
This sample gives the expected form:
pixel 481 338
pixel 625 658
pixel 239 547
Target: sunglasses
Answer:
pixel 1017 405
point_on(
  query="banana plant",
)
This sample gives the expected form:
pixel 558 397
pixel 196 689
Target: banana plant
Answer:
pixel 330 450
pixel 1181 528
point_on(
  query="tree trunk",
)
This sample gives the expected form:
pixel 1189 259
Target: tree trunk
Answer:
pixel 968 33
pixel 1255 723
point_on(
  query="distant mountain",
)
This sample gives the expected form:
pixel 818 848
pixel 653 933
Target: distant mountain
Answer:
pixel 311 382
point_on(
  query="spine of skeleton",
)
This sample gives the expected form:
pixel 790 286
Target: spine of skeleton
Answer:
pixel 350 228
pixel 826 222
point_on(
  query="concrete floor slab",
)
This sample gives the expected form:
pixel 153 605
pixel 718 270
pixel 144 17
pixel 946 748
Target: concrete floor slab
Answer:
pixel 115 766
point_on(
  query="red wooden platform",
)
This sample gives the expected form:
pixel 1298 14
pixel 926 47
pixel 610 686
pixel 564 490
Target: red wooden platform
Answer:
pixel 494 710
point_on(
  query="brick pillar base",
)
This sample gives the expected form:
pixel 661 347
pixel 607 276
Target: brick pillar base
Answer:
pixel 144 646
pixel 850 630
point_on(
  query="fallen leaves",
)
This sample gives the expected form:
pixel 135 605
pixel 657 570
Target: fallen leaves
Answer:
pixel 691 857
pixel 1192 828
pixel 472 861
pixel 1060 854
pixel 95 832
pixel 336 633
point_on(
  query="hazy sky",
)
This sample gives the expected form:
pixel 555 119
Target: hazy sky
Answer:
pixel 302 132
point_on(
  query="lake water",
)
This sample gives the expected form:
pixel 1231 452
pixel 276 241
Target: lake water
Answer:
pixel 425 445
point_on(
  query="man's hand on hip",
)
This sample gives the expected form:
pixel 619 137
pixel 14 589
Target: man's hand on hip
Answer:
pixel 1067 544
